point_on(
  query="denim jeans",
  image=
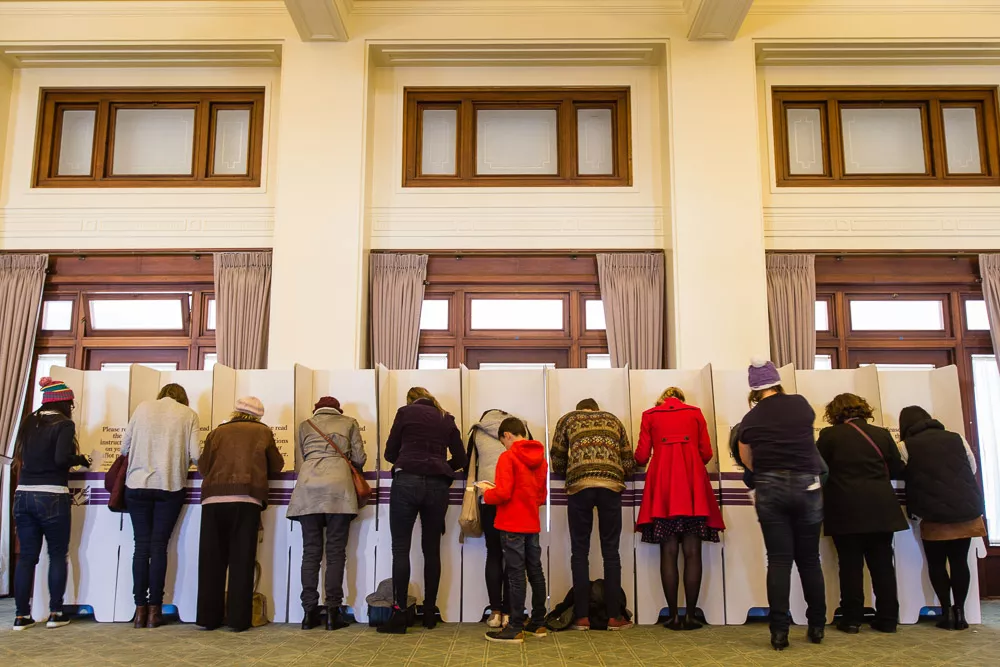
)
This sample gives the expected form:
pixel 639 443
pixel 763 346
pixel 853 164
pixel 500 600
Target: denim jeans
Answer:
pixel 40 515
pixel 338 528
pixel 411 496
pixel 523 554
pixel 580 511
pixel 790 510
pixel 154 513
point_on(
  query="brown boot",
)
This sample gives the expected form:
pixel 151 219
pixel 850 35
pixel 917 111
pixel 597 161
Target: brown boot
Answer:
pixel 155 615
pixel 141 617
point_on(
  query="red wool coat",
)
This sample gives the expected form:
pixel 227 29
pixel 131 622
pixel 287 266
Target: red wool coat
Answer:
pixel 677 485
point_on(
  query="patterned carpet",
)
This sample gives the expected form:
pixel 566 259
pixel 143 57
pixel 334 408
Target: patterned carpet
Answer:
pixel 87 642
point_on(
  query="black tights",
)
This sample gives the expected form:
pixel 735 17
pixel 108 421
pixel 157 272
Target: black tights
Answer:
pixel 956 554
pixel 670 577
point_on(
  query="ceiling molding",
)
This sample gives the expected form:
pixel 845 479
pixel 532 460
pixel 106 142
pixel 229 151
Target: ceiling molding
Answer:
pixel 525 8
pixel 319 20
pixel 141 55
pixel 820 7
pixel 506 54
pixel 184 8
pixel 819 54
pixel 718 19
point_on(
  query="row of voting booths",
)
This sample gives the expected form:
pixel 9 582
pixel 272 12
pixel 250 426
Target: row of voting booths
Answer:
pixel 734 581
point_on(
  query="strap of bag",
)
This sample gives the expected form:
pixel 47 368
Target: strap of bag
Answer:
pixel 872 443
pixel 330 440
pixel 471 477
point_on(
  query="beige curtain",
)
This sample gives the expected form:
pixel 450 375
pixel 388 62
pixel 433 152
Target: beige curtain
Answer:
pixel 791 308
pixel 989 269
pixel 243 307
pixel 632 290
pixel 397 294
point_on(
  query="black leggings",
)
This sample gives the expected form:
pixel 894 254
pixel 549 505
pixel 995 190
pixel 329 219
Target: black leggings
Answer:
pixel 497 585
pixel 670 575
pixel 956 554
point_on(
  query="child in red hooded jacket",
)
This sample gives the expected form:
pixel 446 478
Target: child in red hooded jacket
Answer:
pixel 521 487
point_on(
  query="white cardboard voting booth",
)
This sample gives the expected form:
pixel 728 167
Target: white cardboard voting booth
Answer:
pixel 564 389
pixel 357 392
pixel 522 394
pixel 446 386
pixel 645 387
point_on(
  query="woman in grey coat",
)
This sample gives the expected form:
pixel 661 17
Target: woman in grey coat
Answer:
pixel 324 499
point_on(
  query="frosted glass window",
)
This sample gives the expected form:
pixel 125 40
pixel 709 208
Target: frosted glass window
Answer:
pixel 139 314
pixel 232 141
pixel 595 142
pixel 57 315
pixel 434 315
pixel 432 362
pixel 897 315
pixel 154 141
pixel 515 366
pixel 44 369
pixel 210 315
pixel 805 141
pixel 124 366
pixel 439 142
pixel 883 141
pixel 986 389
pixel 516 141
pixel 824 362
pixel 594 314
pixel 976 318
pixel 76 142
pixel 527 314
pixel 902 367
pixel 211 359
pixel 598 361
pixel 822 316
pixel 961 140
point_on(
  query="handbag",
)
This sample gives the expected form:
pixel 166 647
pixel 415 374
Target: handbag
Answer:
pixel 469 520
pixel 872 443
pixel 114 483
pixel 259 616
pixel 361 486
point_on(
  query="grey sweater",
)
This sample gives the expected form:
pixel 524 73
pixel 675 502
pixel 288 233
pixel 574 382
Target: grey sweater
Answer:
pixel 488 447
pixel 161 442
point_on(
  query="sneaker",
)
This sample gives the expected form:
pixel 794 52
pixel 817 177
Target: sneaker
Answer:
pixel 23 622
pixel 495 620
pixel 506 621
pixel 581 624
pixel 619 624
pixel 57 620
pixel 506 636
pixel 536 629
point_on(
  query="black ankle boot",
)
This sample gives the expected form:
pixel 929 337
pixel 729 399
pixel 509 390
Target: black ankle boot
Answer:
pixel 815 634
pixel 311 619
pixel 396 625
pixel 947 621
pixel 334 619
pixel 779 639
pixel 960 622
pixel 690 622
pixel 430 617
pixel 673 623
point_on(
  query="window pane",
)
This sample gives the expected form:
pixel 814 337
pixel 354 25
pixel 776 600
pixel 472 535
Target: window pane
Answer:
pixel 76 143
pixel 516 141
pixel 897 315
pixel 432 362
pixel 598 361
pixel 824 362
pixel 515 366
pixel 232 141
pixel 594 315
pixel 901 367
pixel 976 318
pixel 153 141
pixel 434 315
pixel 42 369
pixel 595 142
pixel 57 316
pixel 822 315
pixel 805 141
pixel 158 314
pixel 986 388
pixel 439 137
pixel 125 365
pixel 961 140
pixel 211 359
pixel 527 314
pixel 883 141
pixel 210 316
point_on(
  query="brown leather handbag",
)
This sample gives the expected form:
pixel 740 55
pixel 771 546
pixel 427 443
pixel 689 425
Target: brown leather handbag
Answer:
pixel 361 486
pixel 114 483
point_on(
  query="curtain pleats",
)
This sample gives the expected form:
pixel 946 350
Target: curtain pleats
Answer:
pixel 397 294
pixel 632 289
pixel 989 270
pixel 243 304
pixel 791 308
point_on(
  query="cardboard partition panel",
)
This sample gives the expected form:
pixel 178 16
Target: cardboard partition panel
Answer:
pixel 564 389
pixel 522 394
pixel 446 386
pixel 645 388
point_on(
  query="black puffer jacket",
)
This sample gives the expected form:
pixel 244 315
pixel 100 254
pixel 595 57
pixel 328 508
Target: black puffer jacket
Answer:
pixel 940 485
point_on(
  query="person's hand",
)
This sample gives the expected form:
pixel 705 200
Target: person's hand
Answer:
pixel 483 486
pixel 87 462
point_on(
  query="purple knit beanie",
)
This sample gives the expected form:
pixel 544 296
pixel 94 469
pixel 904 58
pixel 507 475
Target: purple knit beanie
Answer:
pixel 762 374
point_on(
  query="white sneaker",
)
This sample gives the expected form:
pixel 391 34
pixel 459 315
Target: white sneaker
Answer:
pixel 495 620
pixel 57 620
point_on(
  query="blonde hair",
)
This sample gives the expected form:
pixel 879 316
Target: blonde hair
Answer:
pixel 419 393
pixel 670 392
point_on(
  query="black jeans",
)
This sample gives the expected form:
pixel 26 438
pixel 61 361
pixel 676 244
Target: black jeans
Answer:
pixel 426 497
pixel 154 514
pixel 945 555
pixel 853 551
pixel 497 584
pixel 523 554
pixel 338 528
pixel 37 515
pixel 228 541
pixel 790 510
pixel 580 511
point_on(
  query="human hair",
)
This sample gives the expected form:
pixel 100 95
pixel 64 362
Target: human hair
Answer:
pixel 174 391
pixel 757 395
pixel 514 426
pixel 243 417
pixel 419 393
pixel 588 404
pixel 845 407
pixel 34 421
pixel 670 392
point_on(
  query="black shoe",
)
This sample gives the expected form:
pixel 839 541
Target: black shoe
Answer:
pixel 885 626
pixel 311 619
pixel 815 634
pixel 59 619
pixel 960 622
pixel 430 618
pixel 690 623
pixel 849 628
pixel 334 619
pixel 396 625
pixel 506 636
pixel 536 629
pixel 779 639
pixel 673 623
pixel 947 621
pixel 23 622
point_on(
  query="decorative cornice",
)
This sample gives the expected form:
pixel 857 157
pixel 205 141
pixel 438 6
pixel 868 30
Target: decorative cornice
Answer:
pixel 897 222
pixel 526 8
pixel 318 20
pixel 718 19
pixel 141 55
pixel 893 7
pixel 862 53
pixel 534 54
pixel 178 8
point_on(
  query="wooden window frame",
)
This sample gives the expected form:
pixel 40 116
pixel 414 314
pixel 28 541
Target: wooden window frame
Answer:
pixel 182 297
pixel 452 329
pixel 206 102
pixel 517 295
pixel 181 355
pixel 566 101
pixel 931 101
pixel 899 334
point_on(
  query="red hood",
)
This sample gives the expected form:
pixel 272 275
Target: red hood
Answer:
pixel 529 452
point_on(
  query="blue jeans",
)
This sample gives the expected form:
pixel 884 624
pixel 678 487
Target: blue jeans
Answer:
pixel 522 553
pixel 425 496
pixel 790 510
pixel 40 515
pixel 154 514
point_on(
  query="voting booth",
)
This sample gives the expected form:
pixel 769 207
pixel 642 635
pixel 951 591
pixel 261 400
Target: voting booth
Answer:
pixel 357 392
pixel 645 387
pixel 446 386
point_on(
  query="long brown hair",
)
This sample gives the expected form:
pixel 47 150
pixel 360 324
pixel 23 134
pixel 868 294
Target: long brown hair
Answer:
pixel 419 393
pixel 845 407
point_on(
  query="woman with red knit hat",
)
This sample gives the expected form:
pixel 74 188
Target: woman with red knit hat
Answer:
pixel 45 450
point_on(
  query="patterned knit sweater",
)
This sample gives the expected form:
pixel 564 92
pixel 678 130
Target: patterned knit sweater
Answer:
pixel 592 449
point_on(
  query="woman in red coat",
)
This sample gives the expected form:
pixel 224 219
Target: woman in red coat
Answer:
pixel 679 508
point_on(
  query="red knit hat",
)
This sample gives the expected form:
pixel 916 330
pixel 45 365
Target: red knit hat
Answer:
pixel 328 402
pixel 54 391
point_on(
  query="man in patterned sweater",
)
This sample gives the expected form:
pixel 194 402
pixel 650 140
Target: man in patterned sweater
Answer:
pixel 591 447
